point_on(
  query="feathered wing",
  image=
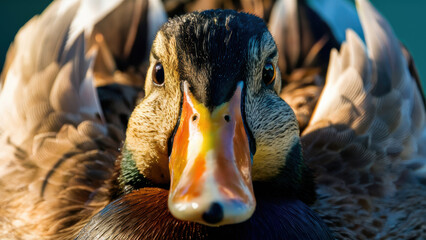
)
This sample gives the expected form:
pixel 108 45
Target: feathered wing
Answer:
pixel 366 138
pixel 58 153
pixel 30 92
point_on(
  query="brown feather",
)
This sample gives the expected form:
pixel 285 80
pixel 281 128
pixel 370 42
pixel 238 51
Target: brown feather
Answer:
pixel 366 131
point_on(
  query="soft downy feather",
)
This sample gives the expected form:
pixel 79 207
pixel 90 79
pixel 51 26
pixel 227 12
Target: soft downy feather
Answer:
pixel 43 94
pixel 88 14
pixel 56 146
pixel 366 138
pixel 24 100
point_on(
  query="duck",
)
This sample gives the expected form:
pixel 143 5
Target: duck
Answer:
pixel 88 186
pixel 194 141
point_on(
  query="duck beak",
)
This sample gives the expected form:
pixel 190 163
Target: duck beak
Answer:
pixel 210 164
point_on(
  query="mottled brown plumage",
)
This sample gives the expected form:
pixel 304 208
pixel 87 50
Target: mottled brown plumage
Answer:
pixel 57 151
pixel 366 138
pixel 65 173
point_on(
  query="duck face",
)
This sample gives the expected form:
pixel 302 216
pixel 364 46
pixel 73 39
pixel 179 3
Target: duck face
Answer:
pixel 212 125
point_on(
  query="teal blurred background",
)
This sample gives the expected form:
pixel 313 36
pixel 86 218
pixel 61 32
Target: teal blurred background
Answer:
pixel 407 18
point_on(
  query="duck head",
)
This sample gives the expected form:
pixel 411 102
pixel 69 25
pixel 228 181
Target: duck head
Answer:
pixel 212 123
pixel 212 128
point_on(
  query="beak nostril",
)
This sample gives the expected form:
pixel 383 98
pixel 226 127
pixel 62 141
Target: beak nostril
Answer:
pixel 194 118
pixel 214 214
pixel 227 118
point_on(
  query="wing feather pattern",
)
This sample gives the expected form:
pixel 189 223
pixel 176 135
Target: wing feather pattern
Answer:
pixel 366 137
pixel 59 139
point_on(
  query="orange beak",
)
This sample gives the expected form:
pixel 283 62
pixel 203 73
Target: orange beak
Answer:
pixel 210 164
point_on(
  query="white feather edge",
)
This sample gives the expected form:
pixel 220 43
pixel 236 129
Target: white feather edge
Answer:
pixel 285 13
pixel 280 12
pixel 385 50
pixel 382 48
pixel 340 15
pixel 14 78
pixel 88 94
pixel 89 101
pixel 338 76
pixel 383 55
pixel 89 13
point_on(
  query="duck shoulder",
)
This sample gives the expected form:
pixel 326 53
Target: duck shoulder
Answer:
pixel 366 138
pixel 59 138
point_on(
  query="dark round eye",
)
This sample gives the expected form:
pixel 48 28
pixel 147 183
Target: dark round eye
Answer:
pixel 158 74
pixel 268 74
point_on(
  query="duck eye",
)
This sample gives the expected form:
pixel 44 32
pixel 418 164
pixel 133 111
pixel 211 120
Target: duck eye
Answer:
pixel 268 74
pixel 158 74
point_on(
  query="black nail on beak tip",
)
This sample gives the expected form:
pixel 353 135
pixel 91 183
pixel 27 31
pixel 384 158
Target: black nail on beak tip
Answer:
pixel 214 214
